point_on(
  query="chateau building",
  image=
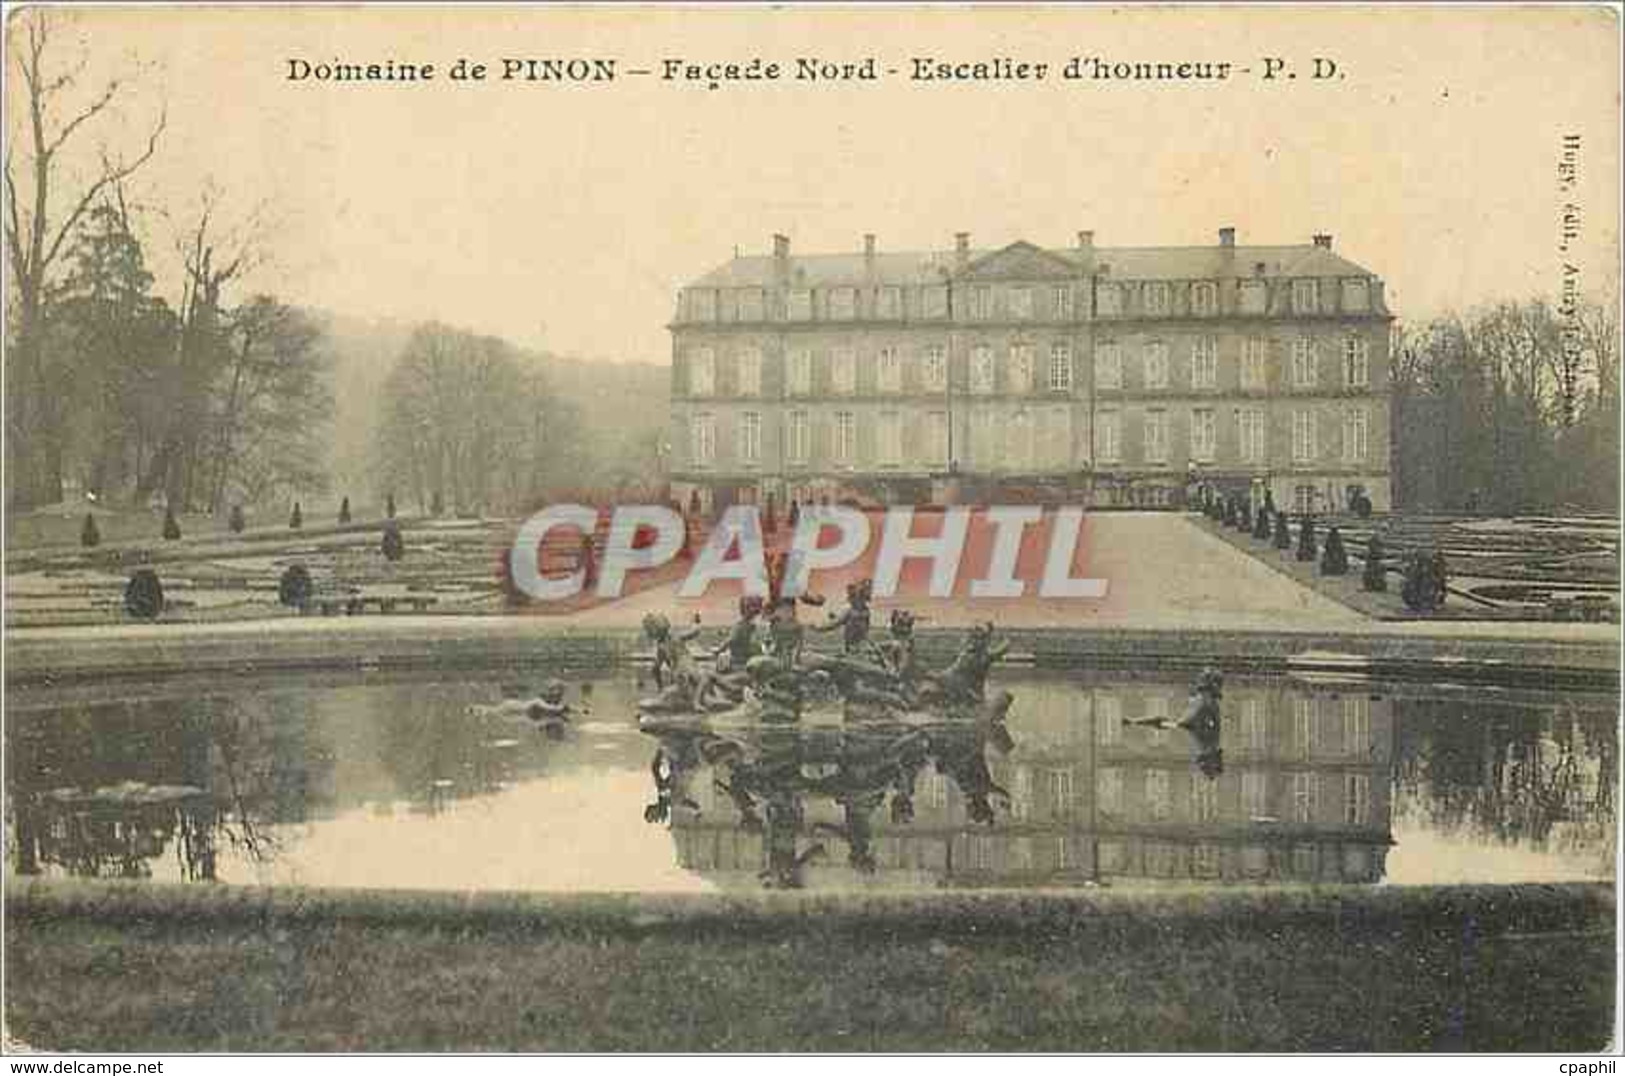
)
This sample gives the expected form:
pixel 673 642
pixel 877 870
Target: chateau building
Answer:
pixel 1108 376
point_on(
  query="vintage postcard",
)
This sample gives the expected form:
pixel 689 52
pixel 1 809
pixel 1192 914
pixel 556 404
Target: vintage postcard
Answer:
pixel 747 529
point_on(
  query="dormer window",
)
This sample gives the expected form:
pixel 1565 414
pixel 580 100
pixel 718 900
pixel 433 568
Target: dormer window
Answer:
pixel 843 304
pixel 1021 303
pixel 1108 300
pixel 1204 298
pixel 1253 297
pixel 889 304
pixel 1356 296
pixel 1306 296
pixel 1156 298
pixel 702 305
pixel 798 305
pixel 750 304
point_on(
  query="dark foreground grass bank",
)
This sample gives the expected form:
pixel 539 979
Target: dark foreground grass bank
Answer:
pixel 121 968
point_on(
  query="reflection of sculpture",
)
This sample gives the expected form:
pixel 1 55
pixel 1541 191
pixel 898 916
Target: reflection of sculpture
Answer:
pixel 1201 720
pixel 896 720
pixel 548 711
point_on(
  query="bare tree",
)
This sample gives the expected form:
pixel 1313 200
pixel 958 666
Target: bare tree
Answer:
pixel 42 210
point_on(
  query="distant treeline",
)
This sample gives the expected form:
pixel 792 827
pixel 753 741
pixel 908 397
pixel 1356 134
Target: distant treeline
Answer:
pixel 1512 408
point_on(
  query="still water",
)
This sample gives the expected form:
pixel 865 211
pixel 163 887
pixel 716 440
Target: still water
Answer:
pixel 418 783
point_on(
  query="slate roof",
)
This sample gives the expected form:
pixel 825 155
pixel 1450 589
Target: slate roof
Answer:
pixel 1118 263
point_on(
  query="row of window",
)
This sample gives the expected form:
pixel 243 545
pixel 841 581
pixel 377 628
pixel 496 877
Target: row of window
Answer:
pixel 1306 795
pixel 1020 370
pixel 1021 302
pixel 1040 438
pixel 1319 726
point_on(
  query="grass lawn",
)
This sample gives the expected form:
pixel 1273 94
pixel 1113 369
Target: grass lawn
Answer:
pixel 1354 980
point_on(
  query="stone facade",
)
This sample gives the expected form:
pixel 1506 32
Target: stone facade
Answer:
pixel 1106 376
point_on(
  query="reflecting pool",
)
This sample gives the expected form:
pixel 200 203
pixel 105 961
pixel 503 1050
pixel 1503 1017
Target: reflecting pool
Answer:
pixel 1089 780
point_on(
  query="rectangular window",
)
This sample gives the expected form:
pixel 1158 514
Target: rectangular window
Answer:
pixel 1303 436
pixel 846 437
pixel 1205 858
pixel 798 305
pixel 1062 302
pixel 750 437
pixel 1021 367
pixel 888 370
pixel 1204 800
pixel 1305 363
pixel 702 438
pixel 1108 366
pixel 750 372
pixel 1157 798
pixel 1156 299
pixel 1156 365
pixel 1356 362
pixel 1060 788
pixel 1108 300
pixel 1204 435
pixel 1250 422
pixel 1156 436
pixel 1108 436
pixel 1254 357
pixel 1255 728
pixel 1060 367
pixel 843 371
pixel 702 305
pixel 1303 499
pixel 935 370
pixel 981 369
pixel 1108 717
pixel 1021 303
pixel 1355 432
pixel 934 301
pixel 936 436
pixel 1055 436
pixel 1205 362
pixel 889 433
pixel 1306 296
pixel 980 302
pixel 1356 799
pixel 1204 298
pixel 800 444
pixel 1254 297
pixel 1110 785
pixel 889 303
pixel 1255 801
pixel 702 372
pixel 1303 725
pixel 1356 725
pixel 984 440
pixel 751 305
pixel 843 304
pixel 1305 797
pixel 1356 296
pixel 799 374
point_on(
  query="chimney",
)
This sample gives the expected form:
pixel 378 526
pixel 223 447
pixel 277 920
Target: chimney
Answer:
pixel 1323 240
pixel 1227 237
pixel 961 249
pixel 781 258
pixel 869 252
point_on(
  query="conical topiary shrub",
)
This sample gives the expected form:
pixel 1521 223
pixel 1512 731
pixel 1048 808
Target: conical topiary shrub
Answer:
pixel 236 521
pixel 394 548
pixel 1261 524
pixel 389 506
pixel 90 535
pixel 172 526
pixel 294 588
pixel 1283 534
pixel 1306 539
pixel 344 512
pixel 437 504
pixel 144 595
pixel 1375 575
pixel 297 518
pixel 1334 559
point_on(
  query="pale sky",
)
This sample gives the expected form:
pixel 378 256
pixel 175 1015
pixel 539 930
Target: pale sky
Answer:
pixel 581 208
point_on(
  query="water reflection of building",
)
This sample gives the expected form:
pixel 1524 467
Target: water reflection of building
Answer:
pixel 1303 796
